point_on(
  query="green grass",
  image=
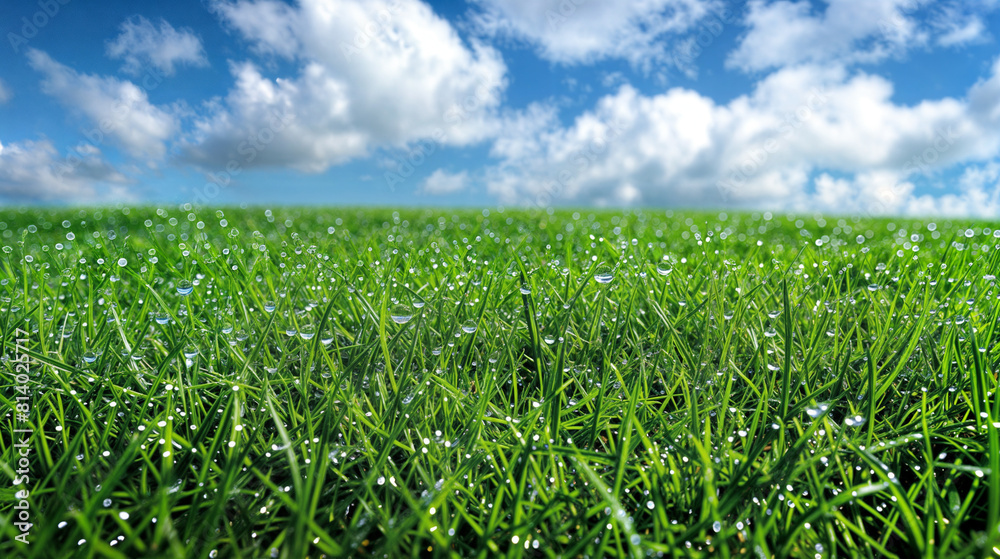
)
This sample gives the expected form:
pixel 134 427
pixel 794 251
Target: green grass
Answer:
pixel 744 385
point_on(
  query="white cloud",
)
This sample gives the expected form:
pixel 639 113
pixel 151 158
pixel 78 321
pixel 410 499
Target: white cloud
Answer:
pixel 140 45
pixel 5 93
pixel 790 32
pixel 960 33
pixel 395 74
pixel 272 26
pixel 613 79
pixel 442 182
pixel 760 149
pixel 582 31
pixel 117 109
pixel 786 32
pixel 876 192
pixel 960 23
pixel 35 171
pixel 978 195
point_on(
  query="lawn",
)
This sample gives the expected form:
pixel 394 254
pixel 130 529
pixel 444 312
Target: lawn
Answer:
pixel 331 382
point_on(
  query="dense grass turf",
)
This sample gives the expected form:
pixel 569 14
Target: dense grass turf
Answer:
pixel 334 382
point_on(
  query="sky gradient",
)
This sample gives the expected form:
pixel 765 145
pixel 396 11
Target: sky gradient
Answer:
pixel 838 106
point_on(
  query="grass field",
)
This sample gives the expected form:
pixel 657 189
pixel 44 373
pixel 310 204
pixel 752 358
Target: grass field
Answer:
pixel 329 382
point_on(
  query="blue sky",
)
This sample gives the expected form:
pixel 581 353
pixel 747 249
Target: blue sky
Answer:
pixel 837 106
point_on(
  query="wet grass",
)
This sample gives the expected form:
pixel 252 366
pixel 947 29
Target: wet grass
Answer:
pixel 243 383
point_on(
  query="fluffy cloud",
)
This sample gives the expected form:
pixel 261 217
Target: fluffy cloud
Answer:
pixel 960 23
pixel 5 93
pixel 442 182
pixel 370 74
pixel 140 45
pixel 789 32
pixel 118 110
pixel 768 148
pixel 581 31
pixel 978 194
pixel 35 171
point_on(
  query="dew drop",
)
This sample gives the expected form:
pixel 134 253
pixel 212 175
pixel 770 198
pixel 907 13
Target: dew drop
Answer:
pixel 307 332
pixel 604 274
pixel 401 314
pixel 855 420
pixel 817 410
pixel 184 287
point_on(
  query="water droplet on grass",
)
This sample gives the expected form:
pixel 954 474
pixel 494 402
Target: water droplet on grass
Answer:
pixel 469 327
pixel 307 332
pixel 401 314
pixel 817 410
pixel 855 420
pixel 184 287
pixel 604 274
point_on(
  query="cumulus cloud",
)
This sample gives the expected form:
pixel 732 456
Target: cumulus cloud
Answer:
pixel 781 145
pixel 117 110
pixel 5 93
pixel 789 32
pixel 369 75
pixel 442 182
pixel 33 171
pixel 141 45
pixel 977 194
pixel 579 31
